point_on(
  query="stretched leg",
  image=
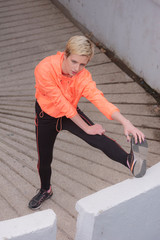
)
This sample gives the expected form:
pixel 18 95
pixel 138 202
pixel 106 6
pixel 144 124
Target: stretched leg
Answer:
pixel 102 142
pixel 137 164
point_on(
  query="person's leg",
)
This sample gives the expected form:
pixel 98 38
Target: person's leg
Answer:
pixel 102 142
pixel 136 164
pixel 45 136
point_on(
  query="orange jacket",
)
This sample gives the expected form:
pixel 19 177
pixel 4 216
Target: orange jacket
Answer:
pixel 59 95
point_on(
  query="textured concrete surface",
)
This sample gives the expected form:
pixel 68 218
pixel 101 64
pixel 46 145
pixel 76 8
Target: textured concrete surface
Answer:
pixel 31 30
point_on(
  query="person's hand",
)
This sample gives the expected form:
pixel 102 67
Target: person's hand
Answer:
pixel 95 129
pixel 129 129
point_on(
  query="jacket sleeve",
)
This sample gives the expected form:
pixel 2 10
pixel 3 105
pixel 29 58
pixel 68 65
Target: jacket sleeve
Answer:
pixel 48 87
pixel 96 97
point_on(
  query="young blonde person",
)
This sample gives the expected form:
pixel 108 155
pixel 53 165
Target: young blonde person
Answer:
pixel 61 80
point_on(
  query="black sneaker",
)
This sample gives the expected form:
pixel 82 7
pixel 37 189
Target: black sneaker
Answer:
pixel 138 157
pixel 39 198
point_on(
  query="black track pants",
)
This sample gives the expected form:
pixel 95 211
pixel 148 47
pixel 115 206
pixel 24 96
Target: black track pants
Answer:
pixel 46 132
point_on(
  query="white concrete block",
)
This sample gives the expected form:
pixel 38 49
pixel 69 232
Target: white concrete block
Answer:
pixel 36 226
pixel 128 210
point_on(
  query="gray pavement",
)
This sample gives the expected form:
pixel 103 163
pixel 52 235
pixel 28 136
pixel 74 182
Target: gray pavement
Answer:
pixel 29 31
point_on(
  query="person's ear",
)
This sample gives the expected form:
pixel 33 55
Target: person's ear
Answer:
pixel 65 56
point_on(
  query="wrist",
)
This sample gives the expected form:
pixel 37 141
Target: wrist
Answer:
pixel 125 122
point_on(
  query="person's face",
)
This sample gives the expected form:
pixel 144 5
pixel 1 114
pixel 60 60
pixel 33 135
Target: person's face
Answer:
pixel 73 64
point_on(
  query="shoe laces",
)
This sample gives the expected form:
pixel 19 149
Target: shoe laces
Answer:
pixel 41 195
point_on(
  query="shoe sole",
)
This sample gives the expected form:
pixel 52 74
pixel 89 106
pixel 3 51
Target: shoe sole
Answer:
pixel 139 171
pixel 41 203
pixel 140 150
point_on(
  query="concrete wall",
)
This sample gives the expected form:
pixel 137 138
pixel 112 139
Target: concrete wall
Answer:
pixel 36 226
pixel 128 210
pixel 130 28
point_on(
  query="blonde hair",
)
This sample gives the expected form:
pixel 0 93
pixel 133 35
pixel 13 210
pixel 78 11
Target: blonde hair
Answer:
pixel 79 45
